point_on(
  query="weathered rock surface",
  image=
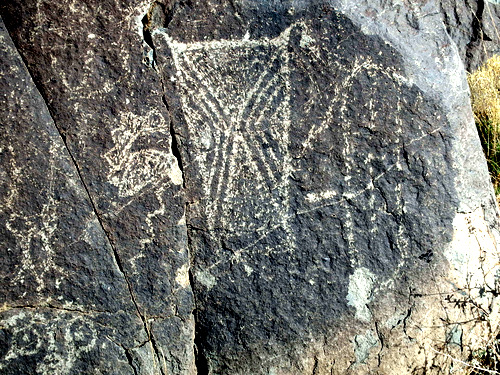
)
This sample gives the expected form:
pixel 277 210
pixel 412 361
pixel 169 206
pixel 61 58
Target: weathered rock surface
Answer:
pixel 87 61
pixel 322 149
pixel 313 166
pixel 64 302
pixel 473 26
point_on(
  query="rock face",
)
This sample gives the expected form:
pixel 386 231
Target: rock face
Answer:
pixel 241 187
pixel 62 290
pixel 117 217
pixel 473 26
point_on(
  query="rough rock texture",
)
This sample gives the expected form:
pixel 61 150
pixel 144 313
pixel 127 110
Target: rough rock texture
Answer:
pixel 312 177
pixel 64 300
pixel 321 150
pixel 474 27
pixel 105 102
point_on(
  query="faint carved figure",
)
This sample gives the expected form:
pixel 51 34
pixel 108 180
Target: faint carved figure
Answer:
pixel 135 161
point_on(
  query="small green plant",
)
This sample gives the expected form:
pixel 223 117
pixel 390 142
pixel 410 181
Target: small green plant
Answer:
pixel 485 361
pixel 485 96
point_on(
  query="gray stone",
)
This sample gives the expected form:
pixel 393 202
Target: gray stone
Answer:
pixel 321 149
pixel 311 176
pixel 87 61
pixel 473 26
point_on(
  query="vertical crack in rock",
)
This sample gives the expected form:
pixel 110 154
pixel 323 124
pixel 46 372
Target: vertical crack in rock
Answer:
pixel 381 340
pixel 201 362
pixel 315 366
pixel 175 148
pixel 478 34
pixel 159 16
pixel 477 23
pixel 130 360
pixel 92 203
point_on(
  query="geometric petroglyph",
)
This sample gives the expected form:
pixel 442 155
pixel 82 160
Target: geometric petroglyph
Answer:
pixel 134 165
pixel 34 232
pixel 63 339
pixel 236 98
pixel 241 88
pixel 141 161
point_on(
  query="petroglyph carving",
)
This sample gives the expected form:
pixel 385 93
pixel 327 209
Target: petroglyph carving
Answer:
pixel 34 232
pixel 236 99
pixel 66 338
pixel 134 161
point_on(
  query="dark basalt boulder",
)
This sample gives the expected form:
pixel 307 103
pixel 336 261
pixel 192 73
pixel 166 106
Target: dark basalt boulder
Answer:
pixel 242 187
pixel 62 290
pixel 105 229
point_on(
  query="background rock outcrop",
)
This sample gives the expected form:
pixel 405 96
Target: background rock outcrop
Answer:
pixel 243 187
pixel 473 26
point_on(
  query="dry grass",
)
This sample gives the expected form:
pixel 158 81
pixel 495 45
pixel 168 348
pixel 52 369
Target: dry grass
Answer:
pixel 485 95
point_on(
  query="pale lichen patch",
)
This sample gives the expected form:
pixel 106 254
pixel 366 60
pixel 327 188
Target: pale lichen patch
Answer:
pixel 182 276
pixel 321 196
pixel 206 279
pixel 363 344
pixel 248 269
pixel 305 40
pixel 360 292
pixel 473 255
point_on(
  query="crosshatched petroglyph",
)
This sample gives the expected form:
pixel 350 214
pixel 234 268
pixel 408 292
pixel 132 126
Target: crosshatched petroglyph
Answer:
pixel 301 151
pixel 235 97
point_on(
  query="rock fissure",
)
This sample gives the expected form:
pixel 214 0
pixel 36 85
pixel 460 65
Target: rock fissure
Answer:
pixel 477 33
pixel 52 307
pixel 130 360
pixel 315 366
pixel 381 340
pixel 177 154
pixel 200 368
pixel 128 355
pixel 309 161
pixel 160 358
pixel 200 361
pixel 477 24
pixel 115 256
pixel 159 15
pixel 405 322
